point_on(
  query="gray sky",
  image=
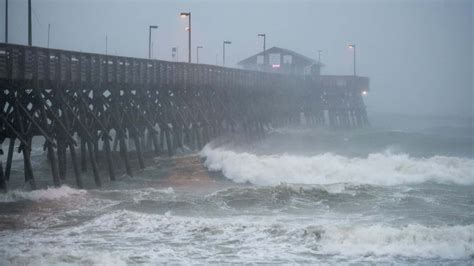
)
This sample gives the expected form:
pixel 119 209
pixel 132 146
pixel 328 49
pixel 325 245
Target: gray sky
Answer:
pixel 418 54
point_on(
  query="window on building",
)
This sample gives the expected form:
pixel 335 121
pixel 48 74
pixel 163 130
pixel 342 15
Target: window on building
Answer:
pixel 274 59
pixel 260 59
pixel 341 83
pixel 287 59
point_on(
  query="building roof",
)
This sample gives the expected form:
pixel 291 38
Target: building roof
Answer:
pixel 253 59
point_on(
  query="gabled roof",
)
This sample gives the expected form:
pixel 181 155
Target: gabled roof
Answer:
pixel 253 58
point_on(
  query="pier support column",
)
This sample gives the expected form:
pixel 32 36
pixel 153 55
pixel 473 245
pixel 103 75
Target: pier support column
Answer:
pixel 53 164
pixel 116 141
pixel 354 119
pixel 83 154
pixel 169 145
pixel 96 147
pixel 178 136
pixel 332 119
pixel 138 149
pixel 106 148
pixel 365 118
pixel 61 151
pixel 205 133
pixel 75 165
pixel 345 123
pixel 8 166
pixel 95 171
pixel 197 136
pixel 29 177
pixel 154 139
pixel 162 138
pixel 124 153
pixel 188 140
pixel 3 185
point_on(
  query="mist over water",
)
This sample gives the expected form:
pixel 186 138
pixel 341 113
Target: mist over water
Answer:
pixel 400 194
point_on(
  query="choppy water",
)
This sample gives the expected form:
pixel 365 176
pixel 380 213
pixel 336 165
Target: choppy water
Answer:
pixel 403 194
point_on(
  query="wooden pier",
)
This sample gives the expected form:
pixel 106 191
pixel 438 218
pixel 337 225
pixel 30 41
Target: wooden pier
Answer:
pixel 88 106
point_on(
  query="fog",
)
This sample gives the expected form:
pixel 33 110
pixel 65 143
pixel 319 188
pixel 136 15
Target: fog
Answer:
pixel 417 54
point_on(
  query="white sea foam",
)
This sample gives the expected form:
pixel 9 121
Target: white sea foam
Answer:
pixel 168 190
pixel 376 169
pixel 152 238
pixel 448 242
pixel 40 194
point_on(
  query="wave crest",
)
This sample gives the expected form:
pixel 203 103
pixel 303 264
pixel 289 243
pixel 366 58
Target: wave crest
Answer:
pixel 40 194
pixel 260 239
pixel 383 169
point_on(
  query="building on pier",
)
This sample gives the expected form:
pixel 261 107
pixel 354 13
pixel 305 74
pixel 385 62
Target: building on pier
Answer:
pixel 280 60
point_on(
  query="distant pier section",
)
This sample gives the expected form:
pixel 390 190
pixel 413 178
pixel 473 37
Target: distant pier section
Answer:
pixel 88 107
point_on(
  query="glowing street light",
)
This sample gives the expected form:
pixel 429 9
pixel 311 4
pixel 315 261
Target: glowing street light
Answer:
pixel 364 93
pixel 188 29
pixel 223 51
pixel 352 46
pixel 197 53
pixel 149 39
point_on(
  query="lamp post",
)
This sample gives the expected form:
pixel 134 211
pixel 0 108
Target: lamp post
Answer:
pixel 264 44
pixel 30 37
pixel 152 43
pixel 264 40
pixel 106 44
pixel 319 56
pixel 197 53
pixel 149 39
pixel 183 15
pixel 223 51
pixel 352 46
pixel 6 21
pixel 49 30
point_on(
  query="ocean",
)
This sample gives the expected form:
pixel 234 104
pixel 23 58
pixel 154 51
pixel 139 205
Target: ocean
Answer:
pixel 400 192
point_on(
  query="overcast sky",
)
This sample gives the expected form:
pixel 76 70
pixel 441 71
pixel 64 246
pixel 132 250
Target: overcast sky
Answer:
pixel 417 54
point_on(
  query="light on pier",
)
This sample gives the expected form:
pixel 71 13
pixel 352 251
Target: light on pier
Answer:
pixel 352 46
pixel 149 39
pixel 264 40
pixel 223 51
pixel 188 29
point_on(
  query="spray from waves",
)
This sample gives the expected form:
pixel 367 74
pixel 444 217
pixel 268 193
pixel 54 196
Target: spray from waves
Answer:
pixel 41 194
pixel 383 169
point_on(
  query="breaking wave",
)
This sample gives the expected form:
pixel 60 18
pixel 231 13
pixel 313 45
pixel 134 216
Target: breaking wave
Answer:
pixel 216 240
pixel 40 194
pixel 383 169
pixel 449 242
